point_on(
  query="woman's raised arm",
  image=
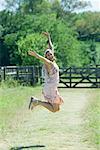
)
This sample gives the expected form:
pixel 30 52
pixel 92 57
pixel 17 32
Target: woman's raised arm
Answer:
pixel 49 41
pixel 36 55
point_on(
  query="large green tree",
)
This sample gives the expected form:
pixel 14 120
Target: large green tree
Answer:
pixel 67 48
pixel 88 23
pixel 22 23
pixel 87 26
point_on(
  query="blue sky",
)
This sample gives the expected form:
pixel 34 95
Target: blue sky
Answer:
pixel 95 5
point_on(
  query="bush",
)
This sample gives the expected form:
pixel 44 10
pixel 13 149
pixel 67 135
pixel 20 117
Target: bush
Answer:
pixel 9 82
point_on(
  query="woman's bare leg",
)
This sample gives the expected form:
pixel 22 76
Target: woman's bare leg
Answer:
pixel 51 107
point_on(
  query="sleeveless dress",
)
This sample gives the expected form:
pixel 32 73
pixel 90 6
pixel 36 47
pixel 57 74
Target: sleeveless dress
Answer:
pixel 51 80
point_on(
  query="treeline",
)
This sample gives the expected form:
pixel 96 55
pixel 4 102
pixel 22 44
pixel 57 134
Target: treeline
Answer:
pixel 75 36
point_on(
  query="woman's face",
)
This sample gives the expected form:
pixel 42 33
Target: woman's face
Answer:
pixel 49 56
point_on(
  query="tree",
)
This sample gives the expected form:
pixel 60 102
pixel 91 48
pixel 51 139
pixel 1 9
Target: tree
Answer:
pixel 70 5
pixel 21 28
pixel 87 26
pixel 67 48
pixel 33 41
pixel 24 6
pixel 88 23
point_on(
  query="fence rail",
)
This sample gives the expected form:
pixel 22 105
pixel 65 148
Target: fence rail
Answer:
pixel 72 77
pixel 25 74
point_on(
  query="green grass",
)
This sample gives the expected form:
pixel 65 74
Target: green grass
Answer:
pixel 31 125
pixel 11 100
pixel 93 115
pixel 56 131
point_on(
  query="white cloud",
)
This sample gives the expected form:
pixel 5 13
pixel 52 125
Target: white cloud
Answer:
pixel 95 5
pixel 2 3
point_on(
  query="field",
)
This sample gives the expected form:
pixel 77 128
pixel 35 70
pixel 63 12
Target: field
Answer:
pixel 74 127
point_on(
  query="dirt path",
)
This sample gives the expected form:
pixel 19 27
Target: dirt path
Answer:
pixel 77 103
pixel 43 130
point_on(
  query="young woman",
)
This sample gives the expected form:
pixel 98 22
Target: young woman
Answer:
pixel 50 91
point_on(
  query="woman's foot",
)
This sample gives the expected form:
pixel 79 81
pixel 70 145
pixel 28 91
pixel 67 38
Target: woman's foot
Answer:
pixel 33 103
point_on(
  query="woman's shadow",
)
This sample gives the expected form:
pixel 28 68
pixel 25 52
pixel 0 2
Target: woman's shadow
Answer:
pixel 27 147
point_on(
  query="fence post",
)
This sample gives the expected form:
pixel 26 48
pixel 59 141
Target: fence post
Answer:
pixel 3 73
pixel 70 78
pixel 41 74
pixel 96 74
pixel 17 71
pixel 33 75
pixel 36 74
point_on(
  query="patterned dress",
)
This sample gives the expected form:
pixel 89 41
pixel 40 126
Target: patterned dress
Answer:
pixel 50 90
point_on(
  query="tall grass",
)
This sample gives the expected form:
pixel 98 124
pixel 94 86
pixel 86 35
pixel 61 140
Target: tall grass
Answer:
pixel 12 98
pixel 9 83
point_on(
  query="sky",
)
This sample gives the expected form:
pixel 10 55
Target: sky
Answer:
pixel 1 4
pixel 95 5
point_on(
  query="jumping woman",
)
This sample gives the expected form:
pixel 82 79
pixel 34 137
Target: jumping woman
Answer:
pixel 51 69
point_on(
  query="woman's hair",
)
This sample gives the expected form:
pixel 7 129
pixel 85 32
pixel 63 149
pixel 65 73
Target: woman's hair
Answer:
pixel 49 51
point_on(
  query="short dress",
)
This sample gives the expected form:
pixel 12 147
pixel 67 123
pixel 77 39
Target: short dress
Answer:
pixel 51 82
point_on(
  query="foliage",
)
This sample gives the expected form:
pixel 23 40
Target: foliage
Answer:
pixel 88 23
pixel 9 83
pixel 67 47
pixel 59 29
pixel 23 21
pixel 98 53
pixel 87 26
pixel 32 41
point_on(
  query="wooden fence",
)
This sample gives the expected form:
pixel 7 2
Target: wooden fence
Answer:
pixel 24 74
pixel 71 77
pixel 80 77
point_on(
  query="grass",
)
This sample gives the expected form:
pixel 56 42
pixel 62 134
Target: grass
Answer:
pixel 37 124
pixel 93 115
pixel 11 100
pixel 41 128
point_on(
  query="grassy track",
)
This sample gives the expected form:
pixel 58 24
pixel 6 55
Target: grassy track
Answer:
pixel 41 129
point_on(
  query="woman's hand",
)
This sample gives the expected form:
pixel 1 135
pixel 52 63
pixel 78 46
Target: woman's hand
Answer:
pixel 32 53
pixel 36 55
pixel 46 34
